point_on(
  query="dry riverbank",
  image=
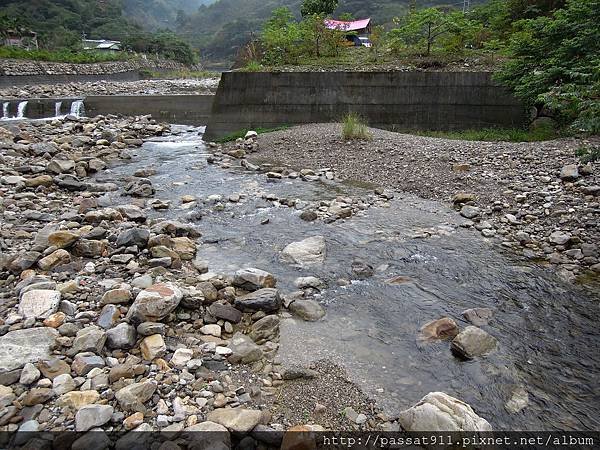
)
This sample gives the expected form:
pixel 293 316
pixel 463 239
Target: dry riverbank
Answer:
pixel 536 198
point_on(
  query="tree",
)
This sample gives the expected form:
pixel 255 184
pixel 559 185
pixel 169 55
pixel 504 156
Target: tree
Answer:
pixel 280 37
pixel 318 7
pixel 427 25
pixel 555 61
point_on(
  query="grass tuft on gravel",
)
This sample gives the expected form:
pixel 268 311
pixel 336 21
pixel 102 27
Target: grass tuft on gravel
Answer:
pixel 493 134
pixel 353 128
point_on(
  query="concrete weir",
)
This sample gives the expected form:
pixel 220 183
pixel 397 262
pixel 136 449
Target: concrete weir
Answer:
pixel 392 100
pixel 177 109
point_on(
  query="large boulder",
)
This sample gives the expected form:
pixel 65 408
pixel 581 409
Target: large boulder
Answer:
pixel 265 328
pixel 89 339
pixel 54 259
pixel 239 420
pixel 39 303
pixel 444 328
pixel 225 311
pixel 308 252
pixel 91 416
pixel 307 309
pixel 569 172
pixel 244 350
pixel 438 411
pixel 472 342
pixel 133 397
pixel 208 436
pixel 253 279
pixel 267 300
pixel 20 347
pixel 133 236
pixel 155 303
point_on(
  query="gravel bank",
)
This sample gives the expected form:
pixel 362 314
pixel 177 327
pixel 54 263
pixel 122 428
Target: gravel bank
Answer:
pixel 142 87
pixel 536 198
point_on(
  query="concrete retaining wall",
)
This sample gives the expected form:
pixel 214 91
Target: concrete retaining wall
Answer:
pixel 179 109
pixel 392 100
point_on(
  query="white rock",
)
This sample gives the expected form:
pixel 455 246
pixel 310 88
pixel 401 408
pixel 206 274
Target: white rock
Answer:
pixel 438 411
pixel 211 329
pixel 307 252
pixel 181 357
pixel 29 374
pixel 39 303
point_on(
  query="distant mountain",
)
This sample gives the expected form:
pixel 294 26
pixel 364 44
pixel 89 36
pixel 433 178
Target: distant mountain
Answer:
pixel 156 14
pixel 221 28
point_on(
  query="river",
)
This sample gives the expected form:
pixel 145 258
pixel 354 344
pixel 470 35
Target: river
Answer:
pixel 547 329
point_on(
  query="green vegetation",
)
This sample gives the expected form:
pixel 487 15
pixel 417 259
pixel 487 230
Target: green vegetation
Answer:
pixel 223 27
pixel 63 55
pixel 546 51
pixel 241 133
pixel 60 24
pixel 588 153
pixel 318 7
pixel 252 66
pixel 555 62
pixel 494 134
pixel 354 128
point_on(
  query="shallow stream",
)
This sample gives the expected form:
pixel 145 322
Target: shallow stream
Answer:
pixel 548 333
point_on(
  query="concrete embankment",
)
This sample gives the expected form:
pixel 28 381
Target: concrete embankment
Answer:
pixel 393 100
pixel 179 109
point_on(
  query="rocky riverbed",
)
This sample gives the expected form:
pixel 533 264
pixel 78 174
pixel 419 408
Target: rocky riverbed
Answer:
pixel 149 284
pixel 536 199
pixel 142 87
pixel 111 319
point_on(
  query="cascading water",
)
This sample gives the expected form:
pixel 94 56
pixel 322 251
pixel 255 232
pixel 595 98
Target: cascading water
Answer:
pixel 57 108
pixel 21 110
pixel 5 106
pixel 77 108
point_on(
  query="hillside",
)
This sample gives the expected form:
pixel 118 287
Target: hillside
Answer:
pixel 156 14
pixel 221 28
pixel 61 24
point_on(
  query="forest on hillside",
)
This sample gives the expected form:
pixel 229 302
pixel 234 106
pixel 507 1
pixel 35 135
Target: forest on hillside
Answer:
pixel 221 28
pixel 61 25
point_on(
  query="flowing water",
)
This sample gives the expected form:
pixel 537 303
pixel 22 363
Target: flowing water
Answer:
pixel 547 330
pixel 57 109
pixel 77 108
pixel 21 110
pixel 5 112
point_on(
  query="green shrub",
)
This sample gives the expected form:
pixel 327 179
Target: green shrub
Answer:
pixel 554 62
pixel 252 66
pixel 588 154
pixel 63 55
pixel 494 134
pixel 353 127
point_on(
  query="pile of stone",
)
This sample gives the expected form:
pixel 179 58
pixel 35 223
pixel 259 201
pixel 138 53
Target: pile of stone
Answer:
pixel 20 67
pixel 204 86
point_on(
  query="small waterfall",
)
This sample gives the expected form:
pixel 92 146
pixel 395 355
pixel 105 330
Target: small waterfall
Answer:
pixel 57 108
pixel 5 106
pixel 21 110
pixel 77 108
